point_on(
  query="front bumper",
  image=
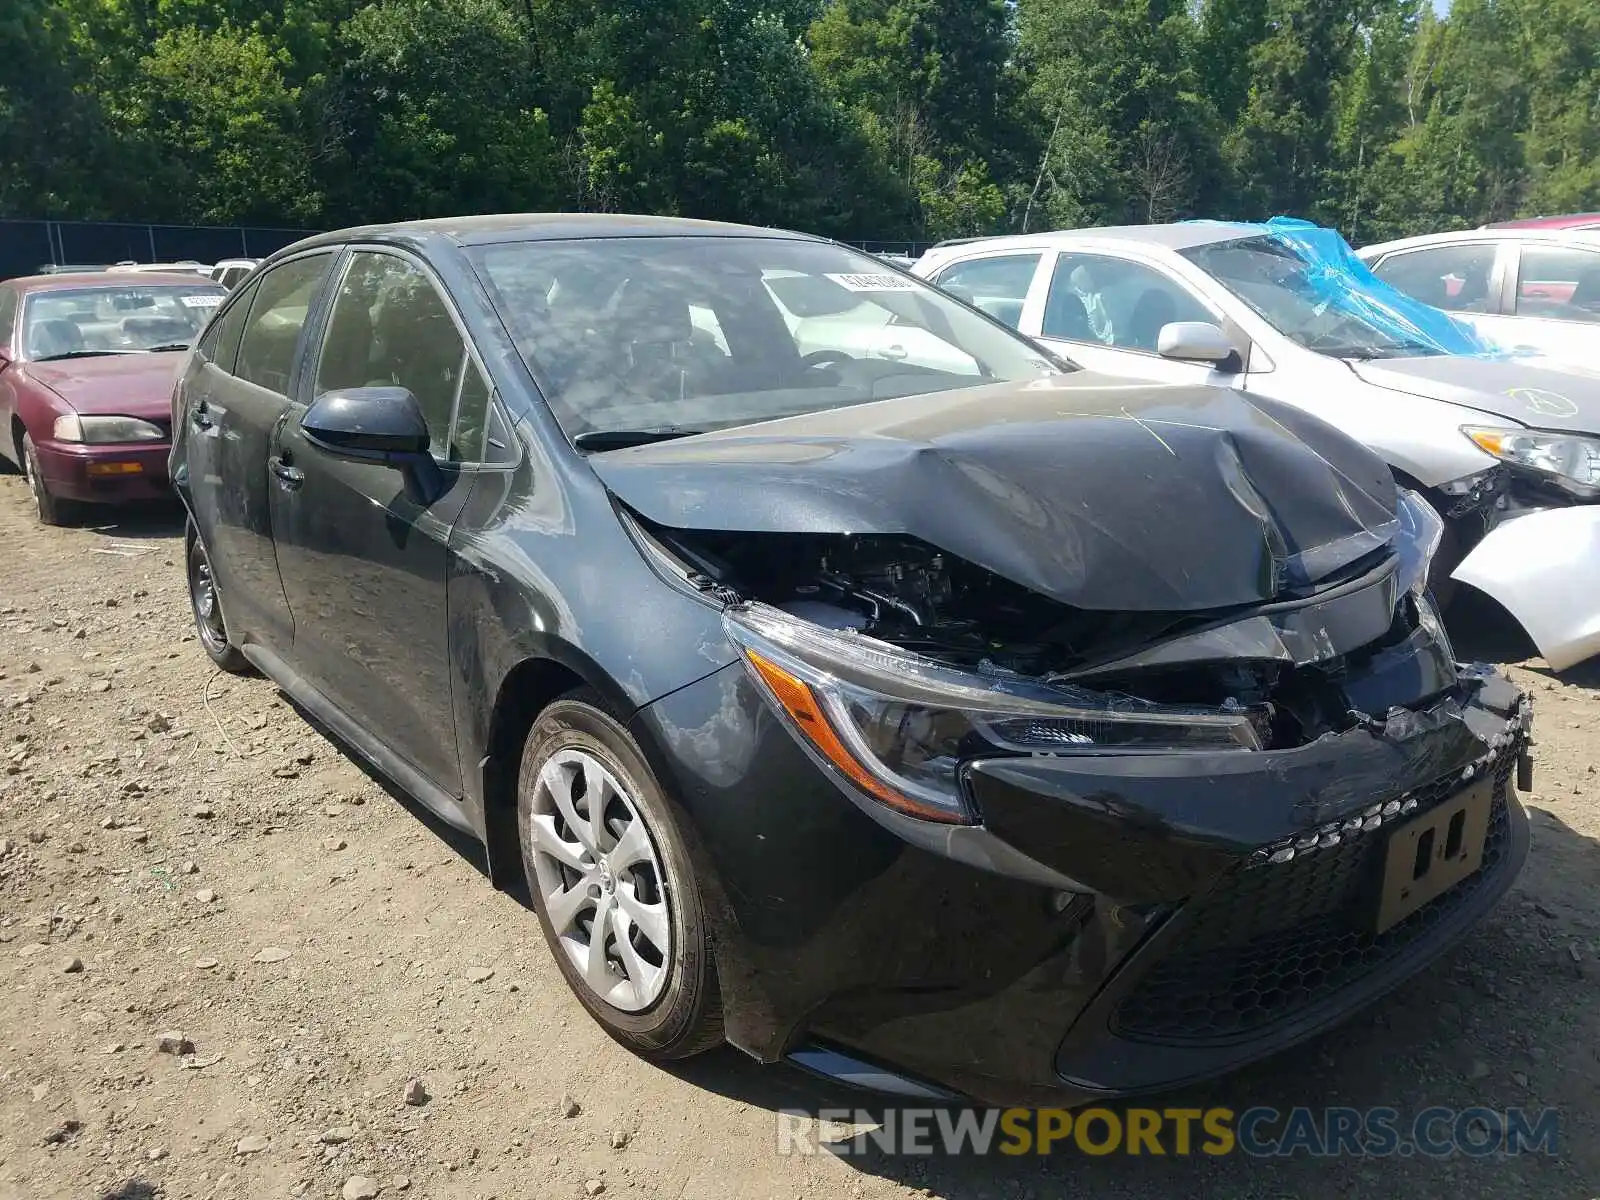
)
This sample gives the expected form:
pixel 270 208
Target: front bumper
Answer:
pixel 1544 569
pixel 105 474
pixel 1178 951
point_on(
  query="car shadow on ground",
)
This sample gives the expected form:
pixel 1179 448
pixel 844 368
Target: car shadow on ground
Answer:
pixel 464 844
pixel 153 522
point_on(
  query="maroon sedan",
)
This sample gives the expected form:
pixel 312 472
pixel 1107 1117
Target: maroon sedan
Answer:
pixel 1590 220
pixel 86 371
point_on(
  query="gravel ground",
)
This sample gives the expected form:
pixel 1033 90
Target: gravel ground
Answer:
pixel 182 854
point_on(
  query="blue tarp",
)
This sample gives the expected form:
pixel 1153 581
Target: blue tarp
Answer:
pixel 1334 271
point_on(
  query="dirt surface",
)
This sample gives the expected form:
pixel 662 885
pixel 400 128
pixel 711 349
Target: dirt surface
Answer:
pixel 181 852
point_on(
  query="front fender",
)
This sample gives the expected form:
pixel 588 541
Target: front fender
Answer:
pixel 1544 569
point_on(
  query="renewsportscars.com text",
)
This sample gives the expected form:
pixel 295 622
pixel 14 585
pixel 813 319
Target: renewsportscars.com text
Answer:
pixel 1260 1132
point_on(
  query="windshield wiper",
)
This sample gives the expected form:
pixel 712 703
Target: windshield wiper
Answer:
pixel 79 354
pixel 166 346
pixel 1368 353
pixel 621 439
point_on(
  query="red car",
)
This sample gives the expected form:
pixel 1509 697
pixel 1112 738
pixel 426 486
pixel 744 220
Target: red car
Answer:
pixel 87 363
pixel 1590 220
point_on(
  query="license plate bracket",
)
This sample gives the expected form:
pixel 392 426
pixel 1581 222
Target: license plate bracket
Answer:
pixel 1428 856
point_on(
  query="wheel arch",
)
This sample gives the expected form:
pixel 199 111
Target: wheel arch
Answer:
pixel 526 690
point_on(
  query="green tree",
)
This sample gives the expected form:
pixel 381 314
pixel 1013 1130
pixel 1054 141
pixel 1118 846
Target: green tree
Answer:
pixel 434 109
pixel 928 85
pixel 1129 134
pixel 217 126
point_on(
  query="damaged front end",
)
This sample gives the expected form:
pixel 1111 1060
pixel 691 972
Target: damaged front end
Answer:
pixel 900 665
pixel 1216 801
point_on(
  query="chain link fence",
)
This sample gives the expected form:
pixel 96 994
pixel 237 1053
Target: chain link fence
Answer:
pixel 25 246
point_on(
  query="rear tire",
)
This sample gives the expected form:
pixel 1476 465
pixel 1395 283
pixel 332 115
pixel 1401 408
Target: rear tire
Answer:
pixel 205 603
pixel 627 874
pixel 51 510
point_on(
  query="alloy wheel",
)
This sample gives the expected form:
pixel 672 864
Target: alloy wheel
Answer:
pixel 600 880
pixel 203 597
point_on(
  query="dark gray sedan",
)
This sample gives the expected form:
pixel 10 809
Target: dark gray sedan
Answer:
pixel 846 677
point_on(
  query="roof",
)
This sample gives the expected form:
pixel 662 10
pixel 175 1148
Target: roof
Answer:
pixel 1587 220
pixel 531 227
pixel 1583 237
pixel 122 279
pixel 1180 235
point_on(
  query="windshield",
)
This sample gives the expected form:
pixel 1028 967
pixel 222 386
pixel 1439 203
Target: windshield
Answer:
pixel 116 319
pixel 1327 312
pixel 686 334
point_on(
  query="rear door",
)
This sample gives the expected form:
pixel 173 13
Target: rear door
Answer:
pixel 364 562
pixel 1465 279
pixel 1553 301
pixel 236 391
pixel 998 282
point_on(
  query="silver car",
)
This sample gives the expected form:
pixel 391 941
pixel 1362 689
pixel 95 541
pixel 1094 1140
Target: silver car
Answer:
pixel 1537 289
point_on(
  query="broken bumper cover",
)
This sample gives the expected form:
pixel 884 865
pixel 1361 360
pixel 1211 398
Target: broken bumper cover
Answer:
pixel 1544 569
pixel 992 984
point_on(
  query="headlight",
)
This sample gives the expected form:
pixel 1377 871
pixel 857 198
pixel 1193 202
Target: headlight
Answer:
pixel 67 429
pixel 899 727
pixel 1570 460
pixel 108 430
pixel 1421 530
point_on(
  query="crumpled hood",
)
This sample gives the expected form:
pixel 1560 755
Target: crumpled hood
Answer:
pixel 1096 492
pixel 1523 389
pixel 127 385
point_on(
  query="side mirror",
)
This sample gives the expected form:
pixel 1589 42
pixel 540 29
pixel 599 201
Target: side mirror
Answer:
pixel 368 422
pixel 1195 341
pixel 378 424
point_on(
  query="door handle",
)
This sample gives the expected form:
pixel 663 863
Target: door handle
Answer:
pixel 289 477
pixel 895 352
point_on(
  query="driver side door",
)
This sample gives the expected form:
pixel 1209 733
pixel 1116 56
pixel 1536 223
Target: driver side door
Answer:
pixel 364 556
pixel 1107 312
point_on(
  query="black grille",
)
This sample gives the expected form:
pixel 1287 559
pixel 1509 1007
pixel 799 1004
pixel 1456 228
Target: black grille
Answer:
pixel 1272 941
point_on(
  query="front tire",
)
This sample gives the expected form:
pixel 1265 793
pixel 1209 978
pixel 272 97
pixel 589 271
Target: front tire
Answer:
pixel 51 509
pixel 612 882
pixel 206 605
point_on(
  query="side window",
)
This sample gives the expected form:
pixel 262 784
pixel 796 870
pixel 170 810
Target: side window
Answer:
pixel 277 314
pixel 1559 281
pixel 390 327
pixel 997 285
pixel 1117 303
pixel 472 415
pixel 8 315
pixel 1454 278
pixel 220 342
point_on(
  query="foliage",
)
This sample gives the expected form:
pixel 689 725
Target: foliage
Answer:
pixel 915 119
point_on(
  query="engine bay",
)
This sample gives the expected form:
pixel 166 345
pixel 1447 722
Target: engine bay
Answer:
pixel 920 599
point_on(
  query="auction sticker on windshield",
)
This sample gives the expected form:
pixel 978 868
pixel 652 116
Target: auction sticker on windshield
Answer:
pixel 873 283
pixel 204 301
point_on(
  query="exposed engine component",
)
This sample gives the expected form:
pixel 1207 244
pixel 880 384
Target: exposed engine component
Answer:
pixel 910 594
